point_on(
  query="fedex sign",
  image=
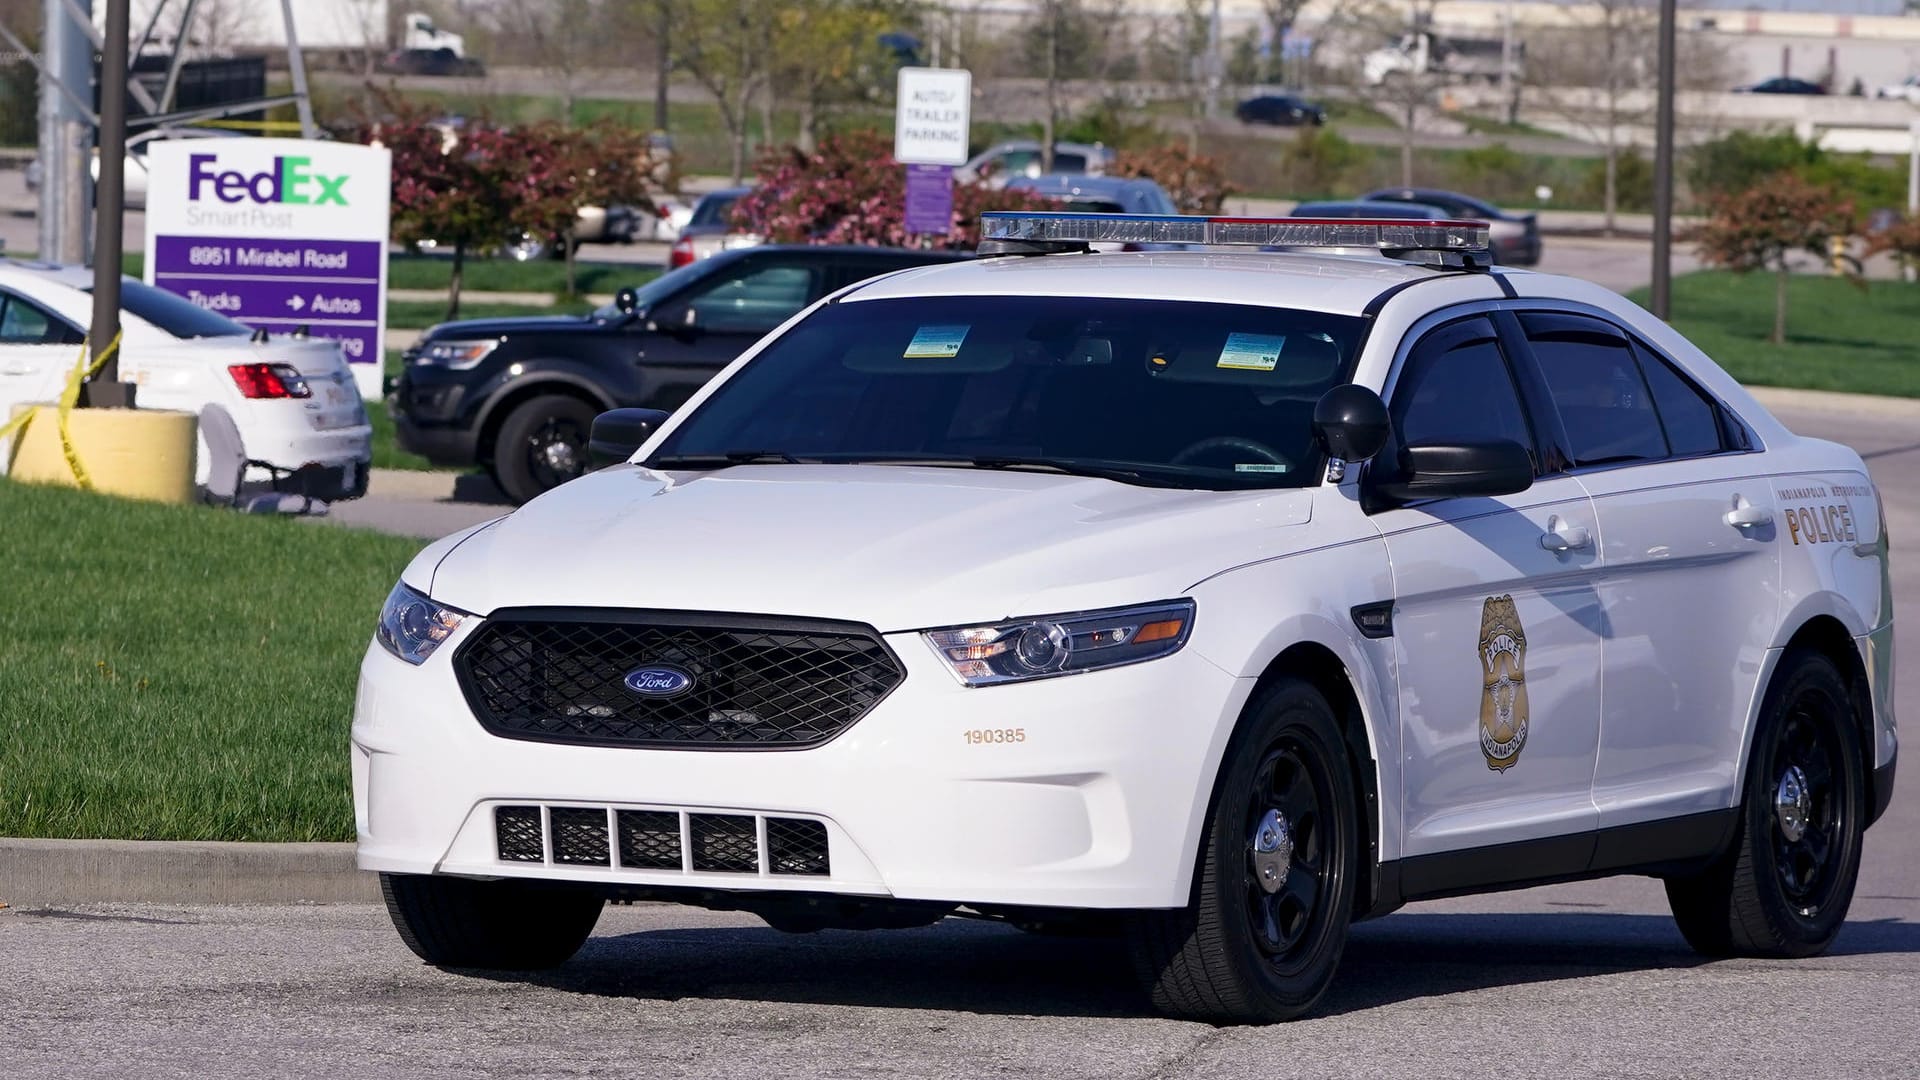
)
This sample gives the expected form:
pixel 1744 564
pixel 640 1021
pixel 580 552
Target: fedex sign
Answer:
pixel 289 180
pixel 285 235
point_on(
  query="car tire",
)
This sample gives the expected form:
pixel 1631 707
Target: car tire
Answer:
pixel 1783 887
pixel 503 925
pixel 541 445
pixel 1262 937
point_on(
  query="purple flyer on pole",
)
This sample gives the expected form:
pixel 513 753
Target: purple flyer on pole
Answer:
pixel 929 199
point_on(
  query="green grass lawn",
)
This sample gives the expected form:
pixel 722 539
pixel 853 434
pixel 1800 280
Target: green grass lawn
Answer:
pixel 507 275
pixel 1838 336
pixel 179 673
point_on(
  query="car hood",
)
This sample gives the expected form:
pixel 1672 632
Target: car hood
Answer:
pixel 499 328
pixel 897 547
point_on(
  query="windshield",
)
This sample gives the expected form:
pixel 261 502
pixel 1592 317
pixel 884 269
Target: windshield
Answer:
pixel 175 314
pixel 714 209
pixel 645 296
pixel 1184 394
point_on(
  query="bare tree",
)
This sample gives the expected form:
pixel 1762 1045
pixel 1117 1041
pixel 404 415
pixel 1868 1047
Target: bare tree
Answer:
pixel 720 44
pixel 1597 76
pixel 1281 15
pixel 1409 93
pixel 563 38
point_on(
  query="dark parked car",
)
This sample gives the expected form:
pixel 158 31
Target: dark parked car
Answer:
pixel 1516 237
pixel 519 395
pixel 440 62
pixel 1782 84
pixel 1281 110
pixel 1357 208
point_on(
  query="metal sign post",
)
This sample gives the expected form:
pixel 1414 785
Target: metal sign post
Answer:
pixel 106 391
pixel 931 121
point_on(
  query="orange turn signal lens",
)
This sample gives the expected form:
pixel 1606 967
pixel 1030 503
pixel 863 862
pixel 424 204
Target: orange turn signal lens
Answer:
pixel 1164 630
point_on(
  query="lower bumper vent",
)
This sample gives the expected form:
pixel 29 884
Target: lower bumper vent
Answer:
pixel 661 840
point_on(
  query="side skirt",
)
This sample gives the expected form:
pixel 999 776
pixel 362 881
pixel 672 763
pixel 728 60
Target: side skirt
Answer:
pixel 1674 846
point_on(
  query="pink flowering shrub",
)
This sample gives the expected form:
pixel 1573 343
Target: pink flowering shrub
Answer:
pixel 851 191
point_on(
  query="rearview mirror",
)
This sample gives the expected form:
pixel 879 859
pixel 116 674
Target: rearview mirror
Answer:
pixel 618 433
pixel 1350 423
pixel 1451 470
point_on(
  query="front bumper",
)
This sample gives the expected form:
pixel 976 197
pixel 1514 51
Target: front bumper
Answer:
pixel 1098 806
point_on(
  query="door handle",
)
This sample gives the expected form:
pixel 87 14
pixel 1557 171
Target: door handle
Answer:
pixel 16 369
pixel 1745 515
pixel 1562 537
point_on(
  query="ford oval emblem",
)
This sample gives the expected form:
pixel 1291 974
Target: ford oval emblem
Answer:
pixel 659 680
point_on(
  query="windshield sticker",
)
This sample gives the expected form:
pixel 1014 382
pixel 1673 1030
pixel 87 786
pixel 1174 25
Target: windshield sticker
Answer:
pixel 1260 466
pixel 1252 352
pixel 936 343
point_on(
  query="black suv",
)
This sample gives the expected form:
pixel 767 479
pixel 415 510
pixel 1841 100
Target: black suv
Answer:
pixel 1281 110
pixel 518 396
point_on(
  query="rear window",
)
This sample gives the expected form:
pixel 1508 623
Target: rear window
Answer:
pixel 714 210
pixel 175 314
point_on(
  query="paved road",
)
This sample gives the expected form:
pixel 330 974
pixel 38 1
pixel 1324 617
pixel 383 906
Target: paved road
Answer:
pixel 1588 979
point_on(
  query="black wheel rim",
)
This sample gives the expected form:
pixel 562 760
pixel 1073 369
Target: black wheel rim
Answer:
pixel 556 452
pixel 1288 807
pixel 1808 808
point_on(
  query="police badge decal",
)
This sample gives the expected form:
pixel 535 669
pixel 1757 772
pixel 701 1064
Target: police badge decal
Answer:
pixel 1503 695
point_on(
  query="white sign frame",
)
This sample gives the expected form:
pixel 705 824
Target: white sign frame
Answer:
pixel 932 116
pixel 278 234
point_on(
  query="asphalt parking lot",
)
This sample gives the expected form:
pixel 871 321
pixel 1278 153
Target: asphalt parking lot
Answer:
pixel 1588 979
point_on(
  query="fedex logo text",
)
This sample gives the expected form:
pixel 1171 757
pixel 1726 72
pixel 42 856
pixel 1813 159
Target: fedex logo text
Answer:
pixel 289 181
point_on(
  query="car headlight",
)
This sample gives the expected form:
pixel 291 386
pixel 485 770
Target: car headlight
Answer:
pixel 1063 644
pixel 412 626
pixel 456 355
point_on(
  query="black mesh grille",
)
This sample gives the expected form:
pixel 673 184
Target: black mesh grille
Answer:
pixel 517 831
pixel 724 842
pixel 649 839
pixel 796 846
pixel 561 677
pixel 580 836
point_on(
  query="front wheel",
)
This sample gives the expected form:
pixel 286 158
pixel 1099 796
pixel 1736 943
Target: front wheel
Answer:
pixel 1784 887
pixel 542 444
pixel 503 925
pixel 1263 936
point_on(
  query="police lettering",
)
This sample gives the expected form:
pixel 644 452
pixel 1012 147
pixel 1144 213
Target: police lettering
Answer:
pixel 1827 524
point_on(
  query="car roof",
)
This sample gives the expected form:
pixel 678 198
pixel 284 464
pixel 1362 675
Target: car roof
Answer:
pixel 74 277
pixel 1361 208
pixel 1079 184
pixel 1314 281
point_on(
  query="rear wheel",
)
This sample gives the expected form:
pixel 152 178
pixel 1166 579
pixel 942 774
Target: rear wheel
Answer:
pixel 541 445
pixel 504 925
pixel 1784 887
pixel 1264 934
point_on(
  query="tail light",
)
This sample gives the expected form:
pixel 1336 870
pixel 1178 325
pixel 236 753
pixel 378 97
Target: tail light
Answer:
pixel 269 381
pixel 681 254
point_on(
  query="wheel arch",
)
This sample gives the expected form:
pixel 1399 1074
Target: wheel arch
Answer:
pixel 1825 634
pixel 512 395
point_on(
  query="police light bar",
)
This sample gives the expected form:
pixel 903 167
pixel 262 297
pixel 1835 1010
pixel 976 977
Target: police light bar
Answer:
pixel 1385 234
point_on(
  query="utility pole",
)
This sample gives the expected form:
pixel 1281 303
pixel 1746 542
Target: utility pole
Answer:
pixel 106 391
pixel 1663 169
pixel 66 187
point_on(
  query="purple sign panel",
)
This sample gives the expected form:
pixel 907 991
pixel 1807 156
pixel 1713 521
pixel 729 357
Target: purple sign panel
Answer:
pixel 331 287
pixel 929 199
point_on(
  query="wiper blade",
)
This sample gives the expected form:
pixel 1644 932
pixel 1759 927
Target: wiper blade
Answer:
pixel 729 458
pixel 1064 466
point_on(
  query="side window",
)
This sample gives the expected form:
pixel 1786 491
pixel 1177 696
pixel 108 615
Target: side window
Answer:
pixel 1456 387
pixel 23 323
pixel 1069 163
pixel 1692 420
pixel 753 303
pixel 1604 403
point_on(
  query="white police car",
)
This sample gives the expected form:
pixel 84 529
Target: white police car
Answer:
pixel 1225 597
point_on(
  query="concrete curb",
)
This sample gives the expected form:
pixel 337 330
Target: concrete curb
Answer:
pixel 1828 401
pixel 42 873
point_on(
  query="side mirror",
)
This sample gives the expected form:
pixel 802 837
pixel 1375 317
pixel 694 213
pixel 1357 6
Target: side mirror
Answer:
pixel 626 301
pixel 1450 470
pixel 1350 423
pixel 618 433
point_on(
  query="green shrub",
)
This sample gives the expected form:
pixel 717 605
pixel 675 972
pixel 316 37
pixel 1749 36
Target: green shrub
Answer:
pixel 1633 183
pixel 1740 159
pixel 1495 172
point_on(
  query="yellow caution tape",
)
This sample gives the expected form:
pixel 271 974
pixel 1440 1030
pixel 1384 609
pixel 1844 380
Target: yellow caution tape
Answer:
pixel 69 397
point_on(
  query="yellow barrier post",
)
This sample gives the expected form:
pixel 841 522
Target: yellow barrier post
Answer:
pixel 138 453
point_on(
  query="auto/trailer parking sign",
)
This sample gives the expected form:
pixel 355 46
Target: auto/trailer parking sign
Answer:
pixel 279 234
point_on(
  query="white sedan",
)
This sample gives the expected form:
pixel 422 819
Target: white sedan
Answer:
pixel 294 400
pixel 1222 597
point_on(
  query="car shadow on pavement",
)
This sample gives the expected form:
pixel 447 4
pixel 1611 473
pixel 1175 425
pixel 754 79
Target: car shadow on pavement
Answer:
pixel 986 968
